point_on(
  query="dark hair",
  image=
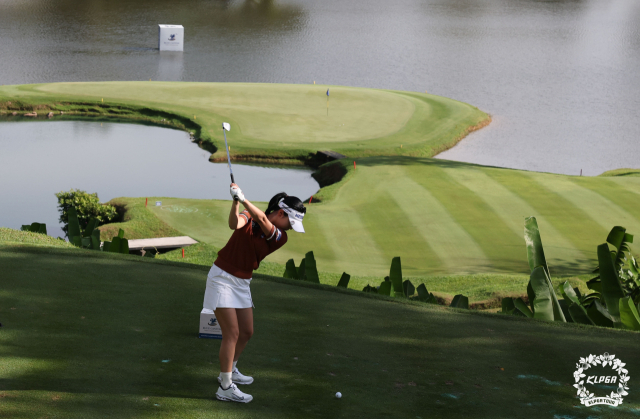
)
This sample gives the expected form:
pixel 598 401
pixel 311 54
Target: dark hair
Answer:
pixel 291 201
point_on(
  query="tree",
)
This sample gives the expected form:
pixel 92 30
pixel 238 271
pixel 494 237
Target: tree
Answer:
pixel 87 206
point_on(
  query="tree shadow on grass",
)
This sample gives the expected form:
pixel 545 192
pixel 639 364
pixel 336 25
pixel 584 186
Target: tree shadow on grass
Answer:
pixel 388 359
pixel 389 346
pixel 114 332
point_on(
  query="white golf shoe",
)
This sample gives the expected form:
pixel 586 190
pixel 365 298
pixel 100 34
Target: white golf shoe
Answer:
pixel 232 394
pixel 238 378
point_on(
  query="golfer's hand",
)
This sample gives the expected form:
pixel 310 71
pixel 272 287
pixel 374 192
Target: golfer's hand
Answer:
pixel 236 193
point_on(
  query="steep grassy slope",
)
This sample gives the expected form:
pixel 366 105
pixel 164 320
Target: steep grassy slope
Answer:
pixel 441 217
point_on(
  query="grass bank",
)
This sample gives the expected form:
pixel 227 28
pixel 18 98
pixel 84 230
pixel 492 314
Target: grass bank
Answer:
pixel 270 122
pixel 136 221
pixel 209 217
pixel 622 172
pixel 120 337
pixel 441 217
pixel 10 236
pixel 458 227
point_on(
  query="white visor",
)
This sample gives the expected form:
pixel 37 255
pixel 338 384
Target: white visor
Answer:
pixel 295 217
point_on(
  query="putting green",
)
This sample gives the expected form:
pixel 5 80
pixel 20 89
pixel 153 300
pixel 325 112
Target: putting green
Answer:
pixel 442 217
pixel 279 119
pixel 93 335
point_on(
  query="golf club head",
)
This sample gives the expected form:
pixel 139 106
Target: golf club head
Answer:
pixel 226 126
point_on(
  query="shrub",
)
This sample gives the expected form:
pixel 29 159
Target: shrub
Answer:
pixel 87 206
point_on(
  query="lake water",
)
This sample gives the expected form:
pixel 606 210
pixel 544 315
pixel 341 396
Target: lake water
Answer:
pixel 560 78
pixel 40 159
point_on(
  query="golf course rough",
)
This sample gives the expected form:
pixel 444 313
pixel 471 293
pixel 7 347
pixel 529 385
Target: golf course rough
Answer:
pixel 277 121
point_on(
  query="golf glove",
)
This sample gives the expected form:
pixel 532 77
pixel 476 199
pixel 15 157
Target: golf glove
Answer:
pixel 236 194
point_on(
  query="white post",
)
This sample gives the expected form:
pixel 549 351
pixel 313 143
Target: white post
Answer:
pixel 170 37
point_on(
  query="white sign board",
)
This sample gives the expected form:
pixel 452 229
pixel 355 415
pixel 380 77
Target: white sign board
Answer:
pixel 170 37
pixel 209 327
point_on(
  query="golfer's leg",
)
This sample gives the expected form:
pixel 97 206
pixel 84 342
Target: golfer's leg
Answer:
pixel 229 327
pixel 245 329
pixel 228 391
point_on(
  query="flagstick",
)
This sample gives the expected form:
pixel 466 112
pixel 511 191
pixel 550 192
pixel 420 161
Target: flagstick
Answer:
pixel 327 102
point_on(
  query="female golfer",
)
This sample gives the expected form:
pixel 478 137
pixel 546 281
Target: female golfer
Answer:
pixel 256 235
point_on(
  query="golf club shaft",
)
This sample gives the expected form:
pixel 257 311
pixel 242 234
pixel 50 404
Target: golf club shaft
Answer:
pixel 228 157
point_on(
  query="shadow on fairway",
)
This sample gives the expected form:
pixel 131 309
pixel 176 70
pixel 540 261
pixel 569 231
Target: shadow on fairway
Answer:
pixel 86 336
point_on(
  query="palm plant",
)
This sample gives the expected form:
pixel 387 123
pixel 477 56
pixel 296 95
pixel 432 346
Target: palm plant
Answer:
pixel 614 302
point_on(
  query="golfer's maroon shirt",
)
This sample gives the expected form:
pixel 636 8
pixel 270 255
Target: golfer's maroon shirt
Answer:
pixel 247 247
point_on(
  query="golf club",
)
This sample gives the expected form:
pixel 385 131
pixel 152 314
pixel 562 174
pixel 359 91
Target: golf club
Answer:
pixel 226 127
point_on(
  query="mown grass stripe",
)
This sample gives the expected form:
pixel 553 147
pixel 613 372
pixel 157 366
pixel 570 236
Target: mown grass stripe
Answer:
pixel 497 241
pixel 603 211
pixel 568 219
pixel 455 247
pixel 359 238
pixel 397 234
pixel 368 194
pixel 614 192
pixel 513 210
pixel 631 184
pixel 432 230
pixel 323 242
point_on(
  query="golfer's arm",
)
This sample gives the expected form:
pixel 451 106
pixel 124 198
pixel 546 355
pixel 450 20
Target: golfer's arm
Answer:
pixel 235 221
pixel 259 217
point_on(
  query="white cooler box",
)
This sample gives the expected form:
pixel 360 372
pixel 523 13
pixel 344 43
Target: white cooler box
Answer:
pixel 209 327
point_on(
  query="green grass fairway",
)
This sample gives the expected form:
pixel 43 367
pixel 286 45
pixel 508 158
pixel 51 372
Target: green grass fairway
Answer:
pixel 441 217
pixel 85 334
pixel 275 120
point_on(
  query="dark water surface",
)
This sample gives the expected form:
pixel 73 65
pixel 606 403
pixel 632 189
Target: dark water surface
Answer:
pixel 40 159
pixel 559 77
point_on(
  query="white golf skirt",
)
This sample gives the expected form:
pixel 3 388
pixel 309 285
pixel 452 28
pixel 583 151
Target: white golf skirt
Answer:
pixel 226 291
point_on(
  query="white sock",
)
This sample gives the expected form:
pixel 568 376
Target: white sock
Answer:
pixel 226 380
pixel 234 366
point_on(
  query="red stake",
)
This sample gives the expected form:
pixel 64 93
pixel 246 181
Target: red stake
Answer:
pixel 146 200
pixel 354 165
pixel 183 253
pixel 310 200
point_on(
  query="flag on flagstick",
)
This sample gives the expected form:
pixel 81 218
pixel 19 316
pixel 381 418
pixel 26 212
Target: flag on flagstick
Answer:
pixel 327 102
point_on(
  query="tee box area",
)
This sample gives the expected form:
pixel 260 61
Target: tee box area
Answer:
pixel 170 37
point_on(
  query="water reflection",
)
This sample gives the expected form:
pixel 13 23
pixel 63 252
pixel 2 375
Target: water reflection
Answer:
pixel 170 66
pixel 557 75
pixel 41 158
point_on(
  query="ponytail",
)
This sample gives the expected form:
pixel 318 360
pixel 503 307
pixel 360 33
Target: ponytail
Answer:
pixel 273 203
